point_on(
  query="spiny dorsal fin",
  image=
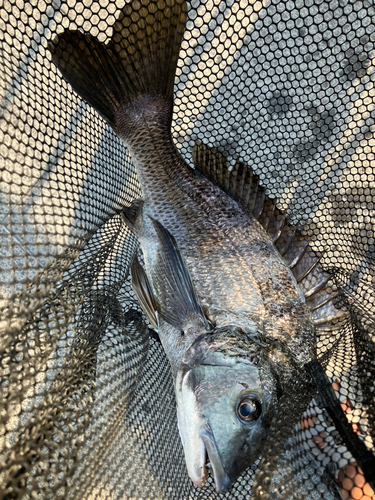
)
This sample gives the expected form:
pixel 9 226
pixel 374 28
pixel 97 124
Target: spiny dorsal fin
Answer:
pixel 243 186
pixel 143 292
pixel 140 59
pixel 177 302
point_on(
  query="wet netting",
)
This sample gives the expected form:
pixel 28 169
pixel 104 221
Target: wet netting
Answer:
pixel 87 408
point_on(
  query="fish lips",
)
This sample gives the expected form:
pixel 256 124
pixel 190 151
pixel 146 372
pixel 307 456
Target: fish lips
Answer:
pixel 199 443
pixel 221 478
pixel 190 422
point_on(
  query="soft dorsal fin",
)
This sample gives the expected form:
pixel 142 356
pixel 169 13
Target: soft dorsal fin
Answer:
pixel 243 186
pixel 177 302
pixel 143 292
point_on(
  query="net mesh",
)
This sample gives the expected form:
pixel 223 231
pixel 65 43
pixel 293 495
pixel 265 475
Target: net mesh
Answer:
pixel 87 405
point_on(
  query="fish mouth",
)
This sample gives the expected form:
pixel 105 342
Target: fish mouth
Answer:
pixel 205 456
pixel 200 448
pixel 221 478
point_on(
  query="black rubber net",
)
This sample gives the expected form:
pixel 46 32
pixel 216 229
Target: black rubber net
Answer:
pixel 87 404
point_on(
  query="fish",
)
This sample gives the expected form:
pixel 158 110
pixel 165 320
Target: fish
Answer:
pixel 215 283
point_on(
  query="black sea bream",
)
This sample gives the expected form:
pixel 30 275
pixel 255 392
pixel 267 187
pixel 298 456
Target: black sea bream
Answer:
pixel 226 306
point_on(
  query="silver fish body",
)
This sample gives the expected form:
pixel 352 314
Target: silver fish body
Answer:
pixel 226 307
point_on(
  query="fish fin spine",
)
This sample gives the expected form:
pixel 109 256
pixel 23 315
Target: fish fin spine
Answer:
pixel 143 291
pixel 243 185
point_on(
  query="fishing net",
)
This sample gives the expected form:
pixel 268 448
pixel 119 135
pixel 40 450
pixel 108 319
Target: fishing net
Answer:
pixel 87 407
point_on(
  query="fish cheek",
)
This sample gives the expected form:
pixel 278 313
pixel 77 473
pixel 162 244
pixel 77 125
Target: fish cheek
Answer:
pixel 248 448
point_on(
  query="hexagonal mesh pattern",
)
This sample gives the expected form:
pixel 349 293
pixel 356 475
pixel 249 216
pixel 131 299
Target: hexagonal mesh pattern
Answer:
pixel 87 404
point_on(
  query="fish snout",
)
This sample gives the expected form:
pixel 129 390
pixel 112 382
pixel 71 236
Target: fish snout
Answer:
pixel 200 453
pixel 198 441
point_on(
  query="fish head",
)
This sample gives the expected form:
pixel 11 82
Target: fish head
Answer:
pixel 227 394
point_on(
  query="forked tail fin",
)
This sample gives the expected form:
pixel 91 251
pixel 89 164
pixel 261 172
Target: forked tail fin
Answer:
pixel 140 59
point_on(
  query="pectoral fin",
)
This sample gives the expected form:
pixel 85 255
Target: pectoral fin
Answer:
pixel 143 292
pixel 177 301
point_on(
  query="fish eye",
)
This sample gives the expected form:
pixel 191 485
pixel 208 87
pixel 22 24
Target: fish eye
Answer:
pixel 249 409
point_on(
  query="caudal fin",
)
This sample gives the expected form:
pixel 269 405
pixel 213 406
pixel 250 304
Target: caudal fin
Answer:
pixel 140 59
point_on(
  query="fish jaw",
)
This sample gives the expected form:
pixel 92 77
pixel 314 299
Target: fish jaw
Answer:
pixel 199 442
pixel 221 478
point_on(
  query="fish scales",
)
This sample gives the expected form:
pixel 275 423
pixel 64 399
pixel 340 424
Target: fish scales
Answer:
pixel 226 307
pixel 237 272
